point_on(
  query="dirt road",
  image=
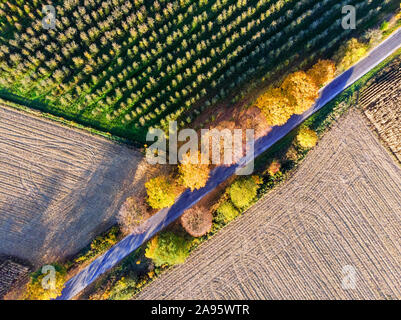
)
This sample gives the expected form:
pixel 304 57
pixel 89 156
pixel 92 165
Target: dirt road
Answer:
pixel 59 187
pixel 338 216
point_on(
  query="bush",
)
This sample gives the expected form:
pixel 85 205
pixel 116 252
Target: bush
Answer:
pixel 168 248
pixel 322 72
pixel 197 221
pixel 243 191
pixel 132 213
pixel 384 26
pixel 226 212
pixel 161 191
pixel 301 91
pixel 124 289
pixel 36 291
pixel 307 138
pixel 275 106
pixel 100 244
pixel 274 167
pixel 193 175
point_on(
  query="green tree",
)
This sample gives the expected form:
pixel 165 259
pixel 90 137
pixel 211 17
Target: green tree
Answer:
pixel 243 191
pixel 226 212
pixel 168 248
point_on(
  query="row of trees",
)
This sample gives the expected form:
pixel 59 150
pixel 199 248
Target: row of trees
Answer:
pixel 297 93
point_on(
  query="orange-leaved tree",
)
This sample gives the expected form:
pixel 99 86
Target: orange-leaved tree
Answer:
pixel 301 91
pixel 322 72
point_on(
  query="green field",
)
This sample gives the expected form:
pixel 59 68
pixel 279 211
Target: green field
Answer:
pixel 123 66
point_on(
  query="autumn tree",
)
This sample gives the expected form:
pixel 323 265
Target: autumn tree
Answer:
pixel 307 138
pixel 300 90
pixel 197 221
pixel 275 106
pixel 193 174
pixel 243 191
pixel 226 212
pixel 36 290
pixel 349 53
pixel 162 192
pixel 132 213
pixel 322 72
pixel 168 248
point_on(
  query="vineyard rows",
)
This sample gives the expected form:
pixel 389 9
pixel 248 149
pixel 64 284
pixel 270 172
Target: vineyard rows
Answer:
pixel 124 66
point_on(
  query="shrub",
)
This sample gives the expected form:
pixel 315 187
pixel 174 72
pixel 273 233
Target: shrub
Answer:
pixel 100 244
pixel 193 175
pixel 36 291
pixel 132 213
pixel 274 167
pixel 322 72
pixel 307 138
pixel 197 221
pixel 384 26
pixel 161 191
pixel 124 289
pixel 275 107
pixel 301 91
pixel 226 212
pixel 168 248
pixel 243 191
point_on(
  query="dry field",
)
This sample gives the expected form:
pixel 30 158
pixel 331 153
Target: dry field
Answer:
pixel 58 187
pixel 341 208
pixel 381 102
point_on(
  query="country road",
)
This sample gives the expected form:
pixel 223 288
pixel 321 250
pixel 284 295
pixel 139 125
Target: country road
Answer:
pixel 164 217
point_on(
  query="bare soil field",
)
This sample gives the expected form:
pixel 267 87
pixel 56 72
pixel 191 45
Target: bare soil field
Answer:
pixel 59 187
pixel 381 102
pixel 341 208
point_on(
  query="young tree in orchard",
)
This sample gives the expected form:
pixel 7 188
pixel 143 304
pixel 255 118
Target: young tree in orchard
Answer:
pixel 307 138
pixel 168 248
pixel 193 175
pixel 275 106
pixel 322 72
pixel 197 221
pixel 301 91
pixel 162 192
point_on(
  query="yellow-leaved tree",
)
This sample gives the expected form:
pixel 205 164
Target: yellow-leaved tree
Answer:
pixel 307 138
pixel 322 72
pixel 349 53
pixel 162 192
pixel 46 285
pixel 193 174
pixel 275 106
pixel 301 91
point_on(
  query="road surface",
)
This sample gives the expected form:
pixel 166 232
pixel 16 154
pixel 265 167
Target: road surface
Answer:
pixel 166 216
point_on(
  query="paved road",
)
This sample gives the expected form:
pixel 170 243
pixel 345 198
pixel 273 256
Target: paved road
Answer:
pixel 164 217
